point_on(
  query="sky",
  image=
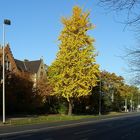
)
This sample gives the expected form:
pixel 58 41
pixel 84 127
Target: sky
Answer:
pixel 36 25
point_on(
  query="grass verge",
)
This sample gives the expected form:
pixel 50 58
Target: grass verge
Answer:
pixel 53 118
pixel 44 118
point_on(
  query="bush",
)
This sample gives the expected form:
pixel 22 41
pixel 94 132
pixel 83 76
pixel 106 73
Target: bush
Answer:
pixel 62 108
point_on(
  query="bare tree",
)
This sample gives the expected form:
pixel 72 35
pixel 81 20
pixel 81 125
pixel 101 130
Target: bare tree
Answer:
pixel 130 9
pixel 133 60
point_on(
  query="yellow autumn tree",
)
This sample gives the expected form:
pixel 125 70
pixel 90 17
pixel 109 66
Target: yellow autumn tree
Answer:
pixel 74 72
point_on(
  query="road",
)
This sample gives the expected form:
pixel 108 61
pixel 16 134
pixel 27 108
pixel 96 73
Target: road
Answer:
pixel 119 128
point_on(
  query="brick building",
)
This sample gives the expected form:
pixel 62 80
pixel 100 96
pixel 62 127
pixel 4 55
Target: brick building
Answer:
pixel 36 69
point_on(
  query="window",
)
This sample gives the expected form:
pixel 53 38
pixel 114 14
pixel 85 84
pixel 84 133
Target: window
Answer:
pixel 41 74
pixel 9 66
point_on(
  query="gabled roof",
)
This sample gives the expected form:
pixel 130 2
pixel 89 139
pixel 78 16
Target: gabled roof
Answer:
pixel 25 66
pixel 28 66
pixel 20 65
pixel 9 57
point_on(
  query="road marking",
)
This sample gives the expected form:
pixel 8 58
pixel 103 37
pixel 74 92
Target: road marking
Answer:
pixel 85 131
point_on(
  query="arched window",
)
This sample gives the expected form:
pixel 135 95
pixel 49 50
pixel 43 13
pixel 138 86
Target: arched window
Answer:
pixel 9 66
pixel 6 62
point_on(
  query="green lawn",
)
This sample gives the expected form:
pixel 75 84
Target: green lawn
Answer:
pixel 52 118
pixel 44 118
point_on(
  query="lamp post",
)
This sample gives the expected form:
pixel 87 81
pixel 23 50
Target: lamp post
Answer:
pixel 6 22
pixel 100 96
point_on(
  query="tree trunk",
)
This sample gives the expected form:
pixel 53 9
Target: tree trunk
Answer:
pixel 70 108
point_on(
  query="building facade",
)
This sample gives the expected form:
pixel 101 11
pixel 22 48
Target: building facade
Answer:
pixel 36 69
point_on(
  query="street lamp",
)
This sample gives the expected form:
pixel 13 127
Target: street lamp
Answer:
pixel 100 96
pixel 6 22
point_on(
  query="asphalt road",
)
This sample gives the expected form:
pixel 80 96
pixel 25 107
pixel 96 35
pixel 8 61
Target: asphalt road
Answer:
pixel 119 128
